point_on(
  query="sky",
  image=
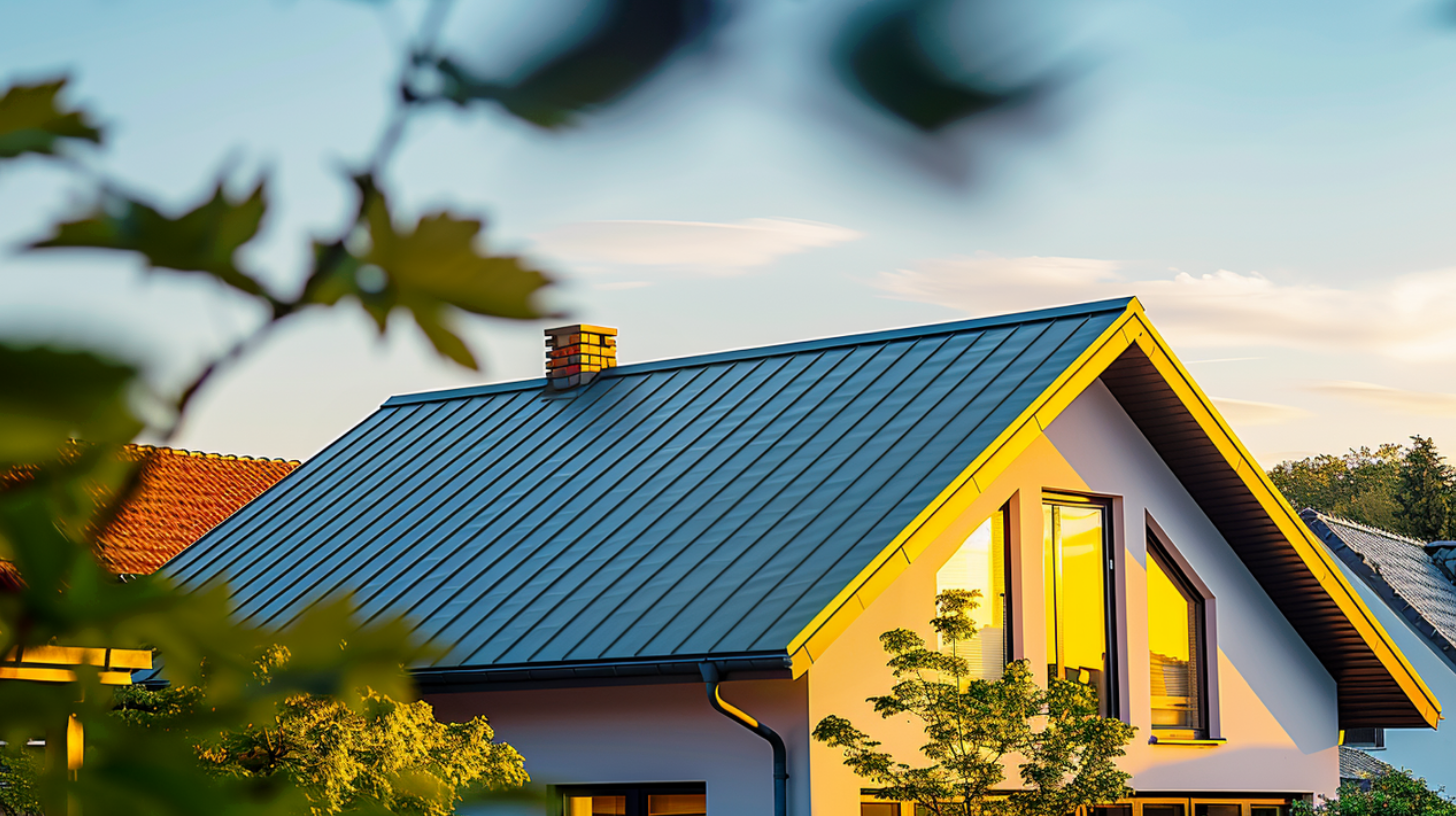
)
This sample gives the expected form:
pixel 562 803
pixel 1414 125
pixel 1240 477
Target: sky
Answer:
pixel 1273 180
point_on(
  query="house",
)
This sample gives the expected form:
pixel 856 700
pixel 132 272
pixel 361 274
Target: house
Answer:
pixel 1408 585
pixel 181 494
pixel 656 578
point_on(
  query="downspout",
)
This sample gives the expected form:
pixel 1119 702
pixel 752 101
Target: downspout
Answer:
pixel 780 754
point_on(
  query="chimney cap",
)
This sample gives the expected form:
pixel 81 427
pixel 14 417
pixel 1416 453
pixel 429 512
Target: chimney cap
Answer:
pixel 582 328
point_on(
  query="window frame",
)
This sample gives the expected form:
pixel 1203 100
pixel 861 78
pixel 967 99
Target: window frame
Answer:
pixel 1109 591
pixel 1175 572
pixel 636 793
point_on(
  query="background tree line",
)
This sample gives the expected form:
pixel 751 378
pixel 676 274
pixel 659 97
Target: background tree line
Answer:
pixel 1406 489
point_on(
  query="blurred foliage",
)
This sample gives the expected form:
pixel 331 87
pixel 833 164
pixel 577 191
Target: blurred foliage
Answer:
pixel 1398 793
pixel 31 121
pixel 429 271
pixel 204 239
pixel 1404 489
pixel 885 56
pixel 633 39
pixel 342 705
pixel 972 727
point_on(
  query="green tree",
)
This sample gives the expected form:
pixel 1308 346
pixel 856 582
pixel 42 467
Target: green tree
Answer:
pixel 374 752
pixel 1397 793
pixel 1361 485
pixel 972 726
pixel 1426 484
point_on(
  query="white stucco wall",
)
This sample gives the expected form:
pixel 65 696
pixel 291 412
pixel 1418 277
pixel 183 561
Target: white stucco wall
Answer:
pixel 1276 703
pixel 1429 753
pixel 647 734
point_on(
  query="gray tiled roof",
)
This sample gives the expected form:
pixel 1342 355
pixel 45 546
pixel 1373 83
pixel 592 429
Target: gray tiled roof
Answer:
pixel 1400 571
pixel 1356 765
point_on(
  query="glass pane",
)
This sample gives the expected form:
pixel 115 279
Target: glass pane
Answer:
pixel 879 809
pixel 1216 809
pixel 677 804
pixel 1266 810
pixel 1049 537
pixel 1112 810
pixel 1163 810
pixel 1173 650
pixel 596 805
pixel 980 566
pixel 1077 609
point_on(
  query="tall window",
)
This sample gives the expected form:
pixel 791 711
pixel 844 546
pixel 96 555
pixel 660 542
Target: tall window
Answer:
pixel 635 800
pixel 1175 645
pixel 1077 573
pixel 980 565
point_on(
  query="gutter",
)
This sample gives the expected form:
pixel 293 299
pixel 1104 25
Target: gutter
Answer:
pixel 610 672
pixel 732 712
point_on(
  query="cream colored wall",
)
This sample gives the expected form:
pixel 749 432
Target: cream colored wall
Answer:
pixel 646 734
pixel 1276 704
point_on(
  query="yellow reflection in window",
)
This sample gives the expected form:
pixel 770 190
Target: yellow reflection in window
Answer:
pixel 677 804
pixel 1075 569
pixel 596 805
pixel 1172 649
pixel 980 565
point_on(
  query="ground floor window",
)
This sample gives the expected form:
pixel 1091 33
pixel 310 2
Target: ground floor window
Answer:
pixel 872 805
pixel 689 799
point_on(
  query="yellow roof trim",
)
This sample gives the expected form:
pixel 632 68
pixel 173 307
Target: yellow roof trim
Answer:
pixel 1129 329
pixel 1314 554
pixel 917 535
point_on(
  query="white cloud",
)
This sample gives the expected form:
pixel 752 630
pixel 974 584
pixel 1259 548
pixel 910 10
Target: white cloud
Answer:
pixel 1405 316
pixel 615 285
pixel 704 245
pixel 1245 413
pixel 1420 403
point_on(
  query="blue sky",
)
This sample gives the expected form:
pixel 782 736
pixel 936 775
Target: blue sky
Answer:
pixel 1273 179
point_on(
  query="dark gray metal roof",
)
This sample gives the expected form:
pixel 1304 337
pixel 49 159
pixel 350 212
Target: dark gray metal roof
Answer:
pixel 705 506
pixel 1400 571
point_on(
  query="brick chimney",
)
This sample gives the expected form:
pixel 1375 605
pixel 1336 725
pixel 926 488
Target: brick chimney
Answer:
pixel 575 355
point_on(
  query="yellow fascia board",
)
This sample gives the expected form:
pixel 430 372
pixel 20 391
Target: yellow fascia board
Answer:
pixel 1314 554
pixel 846 606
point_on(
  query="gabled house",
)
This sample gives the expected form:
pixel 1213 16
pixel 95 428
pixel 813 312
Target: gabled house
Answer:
pixel 1409 586
pixel 656 578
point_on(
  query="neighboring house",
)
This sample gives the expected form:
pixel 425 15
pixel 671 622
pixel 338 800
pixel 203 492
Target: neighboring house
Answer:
pixel 594 554
pixel 181 495
pixel 1404 583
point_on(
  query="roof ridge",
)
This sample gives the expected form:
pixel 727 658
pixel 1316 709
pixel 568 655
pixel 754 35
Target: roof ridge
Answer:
pixel 790 347
pixel 237 457
pixel 1327 517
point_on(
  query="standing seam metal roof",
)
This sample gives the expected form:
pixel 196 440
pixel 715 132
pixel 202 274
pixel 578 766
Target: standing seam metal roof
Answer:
pixel 701 506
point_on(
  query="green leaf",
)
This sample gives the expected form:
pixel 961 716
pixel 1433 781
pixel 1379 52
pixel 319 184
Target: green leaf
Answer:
pixel 51 396
pixel 883 56
pixel 204 239
pixel 632 40
pixel 430 270
pixel 32 122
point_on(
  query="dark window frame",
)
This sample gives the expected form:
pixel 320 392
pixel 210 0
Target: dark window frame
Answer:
pixel 1109 588
pixel 636 793
pixel 1175 572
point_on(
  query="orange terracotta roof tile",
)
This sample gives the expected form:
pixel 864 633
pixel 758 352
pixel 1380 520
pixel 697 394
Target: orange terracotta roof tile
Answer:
pixel 182 495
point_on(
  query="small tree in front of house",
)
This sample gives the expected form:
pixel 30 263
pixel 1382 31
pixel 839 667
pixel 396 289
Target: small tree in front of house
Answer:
pixel 972 726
